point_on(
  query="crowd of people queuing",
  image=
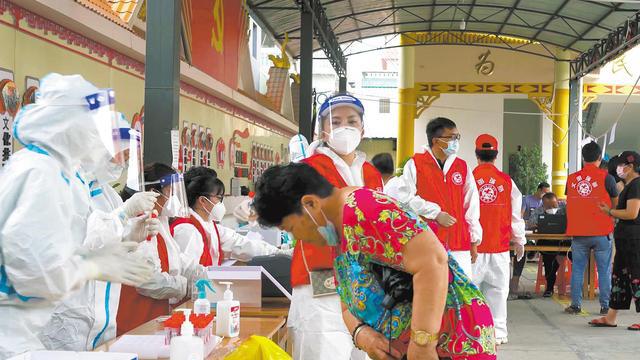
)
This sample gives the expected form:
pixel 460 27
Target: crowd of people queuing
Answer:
pixel 414 266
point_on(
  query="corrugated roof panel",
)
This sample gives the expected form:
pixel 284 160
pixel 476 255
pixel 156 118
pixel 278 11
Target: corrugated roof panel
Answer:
pixel 365 18
pixel 548 6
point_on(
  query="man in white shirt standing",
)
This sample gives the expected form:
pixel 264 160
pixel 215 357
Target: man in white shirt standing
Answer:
pixel 439 186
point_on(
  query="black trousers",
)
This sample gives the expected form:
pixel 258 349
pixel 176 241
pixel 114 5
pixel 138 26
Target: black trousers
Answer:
pixel 625 278
pixel 551 267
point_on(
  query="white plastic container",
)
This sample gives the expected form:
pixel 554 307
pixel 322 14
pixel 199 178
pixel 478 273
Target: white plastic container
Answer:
pixel 186 346
pixel 228 314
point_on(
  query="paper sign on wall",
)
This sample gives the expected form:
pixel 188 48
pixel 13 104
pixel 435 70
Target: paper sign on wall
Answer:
pixel 175 149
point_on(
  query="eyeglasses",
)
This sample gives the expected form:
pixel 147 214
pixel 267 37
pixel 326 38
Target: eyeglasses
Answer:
pixel 450 137
pixel 219 197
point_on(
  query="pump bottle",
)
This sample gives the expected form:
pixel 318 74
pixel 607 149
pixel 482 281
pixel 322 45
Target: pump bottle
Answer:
pixel 228 314
pixel 186 346
pixel 202 304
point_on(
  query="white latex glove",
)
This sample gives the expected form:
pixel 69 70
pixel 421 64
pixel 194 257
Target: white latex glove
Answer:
pixel 288 252
pixel 152 226
pixel 139 203
pixel 519 248
pixel 444 219
pixel 116 263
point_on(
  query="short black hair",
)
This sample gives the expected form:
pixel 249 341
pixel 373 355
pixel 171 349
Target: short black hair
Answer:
pixel 204 184
pixel 152 172
pixel 199 171
pixel 549 196
pixel 436 127
pixel 280 188
pixel 543 185
pixel 487 155
pixel 612 167
pixel 384 163
pixel 591 152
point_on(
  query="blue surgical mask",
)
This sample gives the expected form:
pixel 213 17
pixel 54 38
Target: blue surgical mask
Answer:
pixel 452 147
pixel 328 232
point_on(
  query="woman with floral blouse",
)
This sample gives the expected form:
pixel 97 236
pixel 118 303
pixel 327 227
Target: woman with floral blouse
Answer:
pixel 403 296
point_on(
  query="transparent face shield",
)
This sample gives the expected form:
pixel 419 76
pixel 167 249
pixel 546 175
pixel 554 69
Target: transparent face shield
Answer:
pixel 105 119
pixel 175 195
pixel 135 173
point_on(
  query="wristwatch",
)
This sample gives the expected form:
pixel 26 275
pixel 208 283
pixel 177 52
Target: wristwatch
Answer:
pixel 423 338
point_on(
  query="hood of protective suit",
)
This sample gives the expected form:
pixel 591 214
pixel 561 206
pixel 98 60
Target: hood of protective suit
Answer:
pixel 58 122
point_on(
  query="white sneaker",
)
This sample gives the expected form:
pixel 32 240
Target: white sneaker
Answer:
pixel 502 340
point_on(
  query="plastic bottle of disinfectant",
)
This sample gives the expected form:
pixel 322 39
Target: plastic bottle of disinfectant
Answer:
pixel 186 346
pixel 228 314
pixel 202 304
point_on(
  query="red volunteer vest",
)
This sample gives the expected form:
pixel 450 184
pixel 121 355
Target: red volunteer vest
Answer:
pixel 448 192
pixel 135 309
pixel 205 259
pixel 494 188
pixel 585 190
pixel 320 257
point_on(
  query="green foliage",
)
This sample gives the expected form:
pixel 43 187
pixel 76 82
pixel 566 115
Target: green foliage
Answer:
pixel 527 169
pixel 401 165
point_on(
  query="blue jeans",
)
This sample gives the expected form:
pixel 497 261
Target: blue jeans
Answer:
pixel 581 248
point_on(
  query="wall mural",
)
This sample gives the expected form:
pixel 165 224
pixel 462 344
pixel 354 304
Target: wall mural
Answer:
pixel 185 155
pixel 9 105
pixel 220 153
pixel 238 159
pixel 208 145
pixel 193 157
pixel 262 157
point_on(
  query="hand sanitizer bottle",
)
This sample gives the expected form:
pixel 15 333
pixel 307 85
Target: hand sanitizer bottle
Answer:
pixel 228 314
pixel 186 346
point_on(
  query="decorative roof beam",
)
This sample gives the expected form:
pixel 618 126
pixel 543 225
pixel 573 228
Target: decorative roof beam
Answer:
pixel 325 36
pixel 617 42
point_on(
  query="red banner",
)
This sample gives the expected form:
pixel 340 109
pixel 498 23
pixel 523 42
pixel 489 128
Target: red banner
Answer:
pixel 217 29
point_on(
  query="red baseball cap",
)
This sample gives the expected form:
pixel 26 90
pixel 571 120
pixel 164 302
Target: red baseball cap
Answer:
pixel 486 142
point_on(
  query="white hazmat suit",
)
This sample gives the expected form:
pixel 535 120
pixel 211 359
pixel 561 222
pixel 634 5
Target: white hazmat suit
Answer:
pixel 87 318
pixel 44 206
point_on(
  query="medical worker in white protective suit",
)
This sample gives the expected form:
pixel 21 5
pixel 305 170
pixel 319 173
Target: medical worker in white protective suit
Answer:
pixel 87 318
pixel 44 206
pixel 316 320
pixel 174 272
pixel 501 220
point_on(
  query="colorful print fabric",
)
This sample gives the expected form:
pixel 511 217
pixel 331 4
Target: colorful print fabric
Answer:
pixel 375 228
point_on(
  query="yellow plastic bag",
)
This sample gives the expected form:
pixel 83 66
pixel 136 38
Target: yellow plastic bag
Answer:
pixel 258 348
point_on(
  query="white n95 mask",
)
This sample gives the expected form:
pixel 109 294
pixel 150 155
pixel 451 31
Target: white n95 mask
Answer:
pixel 218 212
pixel 344 140
pixel 551 211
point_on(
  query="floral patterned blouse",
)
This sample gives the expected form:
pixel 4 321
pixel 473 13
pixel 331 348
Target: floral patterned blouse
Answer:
pixel 375 228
